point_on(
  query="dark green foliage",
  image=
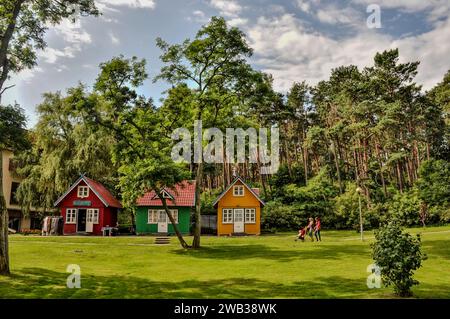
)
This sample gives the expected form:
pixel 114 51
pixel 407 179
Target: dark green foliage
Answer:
pixel 434 182
pixel 398 254
pixel 276 216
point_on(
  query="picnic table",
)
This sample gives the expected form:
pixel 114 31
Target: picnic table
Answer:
pixel 109 230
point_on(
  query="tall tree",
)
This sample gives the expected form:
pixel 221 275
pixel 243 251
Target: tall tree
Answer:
pixel 64 146
pixel 143 149
pixel 13 137
pixel 214 66
pixel 22 29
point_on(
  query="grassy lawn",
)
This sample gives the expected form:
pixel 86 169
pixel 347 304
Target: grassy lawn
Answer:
pixel 273 266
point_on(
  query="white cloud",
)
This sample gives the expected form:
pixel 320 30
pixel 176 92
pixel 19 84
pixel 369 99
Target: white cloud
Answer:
pixel 291 52
pixel 334 15
pixel 51 55
pixel 114 39
pixel 437 9
pixel 236 22
pixel 110 4
pixel 72 32
pixel 228 8
pixel 198 16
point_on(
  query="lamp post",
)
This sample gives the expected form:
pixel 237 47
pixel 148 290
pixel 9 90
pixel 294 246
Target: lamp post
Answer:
pixel 359 190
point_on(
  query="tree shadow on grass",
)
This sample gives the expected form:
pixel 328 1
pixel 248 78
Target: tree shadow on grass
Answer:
pixel 440 248
pixel 236 252
pixel 43 283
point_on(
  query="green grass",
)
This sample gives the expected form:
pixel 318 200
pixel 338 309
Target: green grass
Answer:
pixel 273 266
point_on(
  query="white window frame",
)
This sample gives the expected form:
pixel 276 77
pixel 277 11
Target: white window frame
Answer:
pixel 95 215
pixel 83 191
pixel 152 216
pixel 238 190
pixel 174 213
pixel 251 214
pixel 71 215
pixel 227 216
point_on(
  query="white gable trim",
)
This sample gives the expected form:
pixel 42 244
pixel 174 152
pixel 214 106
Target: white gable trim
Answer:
pixel 164 192
pixel 231 185
pixel 75 185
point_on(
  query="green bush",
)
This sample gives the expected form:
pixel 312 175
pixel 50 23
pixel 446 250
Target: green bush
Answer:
pixel 405 208
pixel 276 216
pixel 398 254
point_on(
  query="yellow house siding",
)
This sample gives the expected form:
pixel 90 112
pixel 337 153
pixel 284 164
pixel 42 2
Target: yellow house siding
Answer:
pixel 231 201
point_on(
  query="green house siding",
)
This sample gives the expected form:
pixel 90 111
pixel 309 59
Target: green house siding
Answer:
pixel 142 226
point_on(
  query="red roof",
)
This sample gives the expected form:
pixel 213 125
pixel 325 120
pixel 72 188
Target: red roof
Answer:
pixel 100 191
pixel 183 194
pixel 103 193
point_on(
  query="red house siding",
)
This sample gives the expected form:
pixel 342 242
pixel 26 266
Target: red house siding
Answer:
pixel 107 215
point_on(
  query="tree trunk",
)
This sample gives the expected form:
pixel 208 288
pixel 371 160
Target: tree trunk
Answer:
pixel 336 162
pixel 5 40
pixel 183 243
pixel 4 253
pixel 198 206
pixel 399 177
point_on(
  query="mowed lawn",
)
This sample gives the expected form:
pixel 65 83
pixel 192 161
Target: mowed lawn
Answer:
pixel 272 266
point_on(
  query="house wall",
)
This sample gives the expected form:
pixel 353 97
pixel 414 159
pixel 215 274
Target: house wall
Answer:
pixel 246 201
pixel 106 217
pixel 8 178
pixel 142 226
pixel 14 210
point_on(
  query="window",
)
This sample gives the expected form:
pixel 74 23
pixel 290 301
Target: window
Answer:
pixel 250 216
pixel 92 216
pixel 71 216
pixel 13 199
pixel 152 216
pixel 238 190
pixel 227 216
pixel 160 216
pixel 83 191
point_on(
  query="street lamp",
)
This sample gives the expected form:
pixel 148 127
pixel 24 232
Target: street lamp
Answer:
pixel 359 190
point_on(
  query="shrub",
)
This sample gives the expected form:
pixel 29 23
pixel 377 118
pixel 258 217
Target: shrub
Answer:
pixel 406 207
pixel 276 216
pixel 398 254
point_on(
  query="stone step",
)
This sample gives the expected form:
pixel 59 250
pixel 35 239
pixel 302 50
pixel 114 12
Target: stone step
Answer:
pixel 162 240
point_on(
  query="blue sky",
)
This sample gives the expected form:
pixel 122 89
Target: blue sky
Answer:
pixel 294 40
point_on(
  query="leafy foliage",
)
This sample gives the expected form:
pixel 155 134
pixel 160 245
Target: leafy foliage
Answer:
pixel 398 254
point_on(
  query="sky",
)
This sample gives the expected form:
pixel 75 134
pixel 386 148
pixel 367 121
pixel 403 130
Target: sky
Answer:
pixel 294 40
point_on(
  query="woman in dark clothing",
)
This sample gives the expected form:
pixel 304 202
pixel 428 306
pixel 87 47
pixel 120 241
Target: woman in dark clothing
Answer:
pixel 317 229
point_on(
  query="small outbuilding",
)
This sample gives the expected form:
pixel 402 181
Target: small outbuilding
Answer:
pixel 87 207
pixel 151 218
pixel 239 210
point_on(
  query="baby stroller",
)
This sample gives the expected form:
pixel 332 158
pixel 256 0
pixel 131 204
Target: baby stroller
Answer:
pixel 301 234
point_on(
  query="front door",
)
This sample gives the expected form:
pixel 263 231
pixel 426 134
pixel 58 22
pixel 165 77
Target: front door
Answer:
pixel 90 221
pixel 81 222
pixel 162 221
pixel 239 220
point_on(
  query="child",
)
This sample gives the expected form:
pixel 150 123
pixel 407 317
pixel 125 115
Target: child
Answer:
pixel 301 234
pixel 311 228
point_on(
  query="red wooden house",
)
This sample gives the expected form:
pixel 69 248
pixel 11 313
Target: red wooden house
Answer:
pixel 87 207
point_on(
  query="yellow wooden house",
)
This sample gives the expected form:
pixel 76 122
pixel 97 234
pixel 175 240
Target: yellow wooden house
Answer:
pixel 239 209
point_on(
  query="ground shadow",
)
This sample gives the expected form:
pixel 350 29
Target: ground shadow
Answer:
pixel 43 283
pixel 236 252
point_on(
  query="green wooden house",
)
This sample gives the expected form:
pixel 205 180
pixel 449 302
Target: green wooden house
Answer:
pixel 151 217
